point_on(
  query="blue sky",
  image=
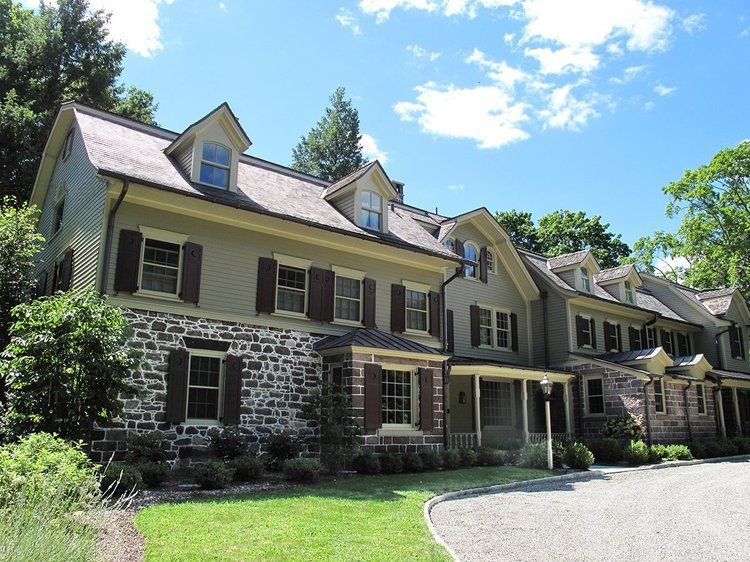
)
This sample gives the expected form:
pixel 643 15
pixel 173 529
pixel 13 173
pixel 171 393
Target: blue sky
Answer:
pixel 526 104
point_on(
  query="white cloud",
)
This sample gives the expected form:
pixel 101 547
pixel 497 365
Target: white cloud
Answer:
pixel 649 105
pixel 567 59
pixel 565 111
pixel 382 9
pixel 662 90
pixel 422 53
pixel 499 72
pixel 486 114
pixel 615 49
pixel 508 38
pixel 745 32
pixel 348 21
pixel 456 187
pixel 694 23
pixel 371 150
pixel 629 74
pixel 222 6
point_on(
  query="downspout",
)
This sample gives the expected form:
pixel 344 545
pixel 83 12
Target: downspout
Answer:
pixel 444 344
pixel 648 409
pixel 110 234
pixel 687 408
pixel 545 325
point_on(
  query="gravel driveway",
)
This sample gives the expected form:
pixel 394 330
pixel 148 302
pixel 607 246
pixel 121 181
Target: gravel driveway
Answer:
pixel 699 512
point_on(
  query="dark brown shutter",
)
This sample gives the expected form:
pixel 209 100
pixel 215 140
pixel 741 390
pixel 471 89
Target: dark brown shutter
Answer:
pixel 474 320
pixel 633 336
pixel 265 300
pixel 483 265
pixel 315 296
pixel 177 385
pixel 369 287
pixel 514 331
pixel 592 323
pixel 66 270
pixel 191 272
pixel 373 396
pixel 398 308
pixel 619 337
pixel 681 344
pixel 425 399
pixel 644 338
pixel 450 336
pixel 579 331
pixel 41 287
pixel 741 342
pixel 128 261
pixel 608 343
pixel 232 390
pixel 329 295
pixel 666 340
pixel 435 313
pixel 461 251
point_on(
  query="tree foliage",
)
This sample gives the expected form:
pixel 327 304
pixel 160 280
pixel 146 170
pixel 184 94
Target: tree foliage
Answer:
pixel 657 255
pixel 59 52
pixel 331 150
pixel 66 363
pixel 520 227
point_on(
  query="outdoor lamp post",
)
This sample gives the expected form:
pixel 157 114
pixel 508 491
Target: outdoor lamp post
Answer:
pixel 546 385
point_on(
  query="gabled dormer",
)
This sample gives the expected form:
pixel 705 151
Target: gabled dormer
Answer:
pixel 620 282
pixel 577 269
pixel 209 150
pixel 363 197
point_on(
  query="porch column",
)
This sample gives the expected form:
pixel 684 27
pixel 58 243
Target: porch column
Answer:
pixel 525 410
pixel 568 416
pixel 477 416
pixel 720 406
pixel 737 419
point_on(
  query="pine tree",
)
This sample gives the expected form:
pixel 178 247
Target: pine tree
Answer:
pixel 331 150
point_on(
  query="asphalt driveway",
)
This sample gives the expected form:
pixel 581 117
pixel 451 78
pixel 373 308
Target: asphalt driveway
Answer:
pixel 699 512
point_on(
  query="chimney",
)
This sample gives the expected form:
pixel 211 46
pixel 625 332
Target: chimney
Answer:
pixel 399 187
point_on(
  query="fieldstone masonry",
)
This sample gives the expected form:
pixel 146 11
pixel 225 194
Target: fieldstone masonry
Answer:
pixel 280 369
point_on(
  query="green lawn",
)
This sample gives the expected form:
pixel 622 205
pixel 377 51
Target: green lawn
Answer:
pixel 369 518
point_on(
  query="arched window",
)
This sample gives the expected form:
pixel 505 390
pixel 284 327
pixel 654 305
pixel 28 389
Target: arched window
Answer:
pixel 471 253
pixel 490 261
pixel 450 245
pixel 215 165
pixel 371 214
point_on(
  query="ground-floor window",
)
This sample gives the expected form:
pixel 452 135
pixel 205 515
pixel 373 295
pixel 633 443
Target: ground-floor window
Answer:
pixel 398 399
pixel 595 396
pixel 205 386
pixel 701 393
pixel 660 402
pixel 496 403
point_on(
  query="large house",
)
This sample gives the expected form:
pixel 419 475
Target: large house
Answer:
pixel 247 283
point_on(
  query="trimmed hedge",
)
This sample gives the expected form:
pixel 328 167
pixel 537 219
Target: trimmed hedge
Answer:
pixel 303 470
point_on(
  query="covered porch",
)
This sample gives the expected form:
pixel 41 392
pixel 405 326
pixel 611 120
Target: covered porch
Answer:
pixel 495 405
pixel 733 401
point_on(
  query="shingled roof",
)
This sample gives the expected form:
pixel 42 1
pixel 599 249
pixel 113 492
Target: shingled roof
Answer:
pixel 614 273
pixel 567 259
pixel 374 339
pixel 717 301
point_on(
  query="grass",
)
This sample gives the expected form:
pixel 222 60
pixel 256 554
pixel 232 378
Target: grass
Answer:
pixel 368 518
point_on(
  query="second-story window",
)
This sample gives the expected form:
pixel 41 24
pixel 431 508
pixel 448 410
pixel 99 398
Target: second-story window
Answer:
pixel 371 214
pixel 502 330
pixel 215 165
pixel 485 326
pixel 291 289
pixel 416 310
pixel 59 215
pixel 490 261
pixel 348 299
pixel 650 338
pixel 471 253
pixel 585 281
pixel 161 266
pixel 629 295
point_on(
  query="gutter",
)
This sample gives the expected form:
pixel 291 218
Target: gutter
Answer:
pixel 110 234
pixel 648 409
pixel 444 343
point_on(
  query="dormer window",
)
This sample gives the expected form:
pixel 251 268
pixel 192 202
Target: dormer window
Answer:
pixel 585 281
pixel 371 213
pixel 450 245
pixel 629 295
pixel 215 165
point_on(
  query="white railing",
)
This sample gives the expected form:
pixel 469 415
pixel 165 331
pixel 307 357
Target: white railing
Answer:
pixel 542 437
pixel 462 440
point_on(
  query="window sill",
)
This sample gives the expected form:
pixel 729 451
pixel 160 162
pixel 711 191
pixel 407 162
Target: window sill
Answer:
pixel 350 323
pixel 419 333
pixel 212 423
pixel 287 314
pixel 595 416
pixel 160 296
pixel 396 432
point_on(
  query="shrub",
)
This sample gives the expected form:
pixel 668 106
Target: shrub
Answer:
pixel 431 459
pixel 489 457
pixel 282 447
pixel 657 453
pixel 509 444
pixel 606 450
pixel 698 450
pixel 558 453
pixel 468 457
pixel 533 455
pixel 578 456
pixel 302 470
pixel 391 463
pixel 248 467
pixel 227 443
pixel 119 479
pixel 678 453
pixel 636 453
pixel 213 475
pixel 365 462
pixel 510 457
pixel 146 448
pixel 726 448
pixel 154 473
pixel 412 462
pixel 742 444
pixel 624 427
pixel 451 459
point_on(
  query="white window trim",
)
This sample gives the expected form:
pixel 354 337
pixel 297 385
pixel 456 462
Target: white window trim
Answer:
pixel 403 428
pixel 170 237
pixel 640 335
pixel 361 207
pixel 357 275
pixel 476 247
pixel 586 397
pixel 701 398
pixel 625 292
pixel 222 355
pixel 653 331
pixel 614 323
pixel 494 345
pixel 299 263
pixel 419 288
pixel 663 395
pixel 493 269
pixel 227 168
pixel 584 279
pixel 588 319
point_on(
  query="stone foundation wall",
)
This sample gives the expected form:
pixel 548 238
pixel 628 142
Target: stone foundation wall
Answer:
pixel 279 371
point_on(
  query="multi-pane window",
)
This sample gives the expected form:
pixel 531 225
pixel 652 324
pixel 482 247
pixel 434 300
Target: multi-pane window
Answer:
pixel 496 403
pixel 471 253
pixel 416 310
pixel 667 341
pixel 397 397
pixel 700 391
pixel 594 396
pixel 650 338
pixel 204 388
pixel 683 344
pixel 585 281
pixel 161 266
pixel 291 289
pixel 485 326
pixel 494 328
pixel 59 214
pixel 371 213
pixel 215 165
pixel 659 401
pixel 348 299
pixel 636 339
pixel 629 296
pixel 502 330
pixel 586 332
pixel 490 261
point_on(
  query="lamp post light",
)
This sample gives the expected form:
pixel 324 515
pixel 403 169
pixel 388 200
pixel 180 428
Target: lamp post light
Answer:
pixel 546 385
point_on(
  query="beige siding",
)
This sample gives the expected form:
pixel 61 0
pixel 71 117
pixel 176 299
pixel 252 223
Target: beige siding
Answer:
pixel 83 217
pixel 500 291
pixel 570 277
pixel 230 269
pixel 185 159
pixel 557 332
pixel 345 205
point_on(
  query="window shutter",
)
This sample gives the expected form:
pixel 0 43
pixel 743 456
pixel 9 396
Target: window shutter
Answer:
pixel 329 295
pixel 128 261
pixel 435 313
pixel 592 323
pixel 41 287
pixel 373 396
pixel 619 337
pixel 608 339
pixel 450 337
pixel 232 390
pixel 315 304
pixel 461 251
pixel 681 344
pixel 474 320
pixel 425 399
pixel 191 272
pixel 579 331
pixel 741 342
pixel 66 270
pixel 483 265
pixel 514 331
pixel 398 308
pixel 265 300
pixel 633 337
pixel 177 385
pixel 368 314
pixel 666 340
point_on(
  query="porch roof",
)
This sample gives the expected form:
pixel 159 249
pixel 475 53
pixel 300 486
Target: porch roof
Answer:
pixel 719 374
pixel 375 339
pixel 457 360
